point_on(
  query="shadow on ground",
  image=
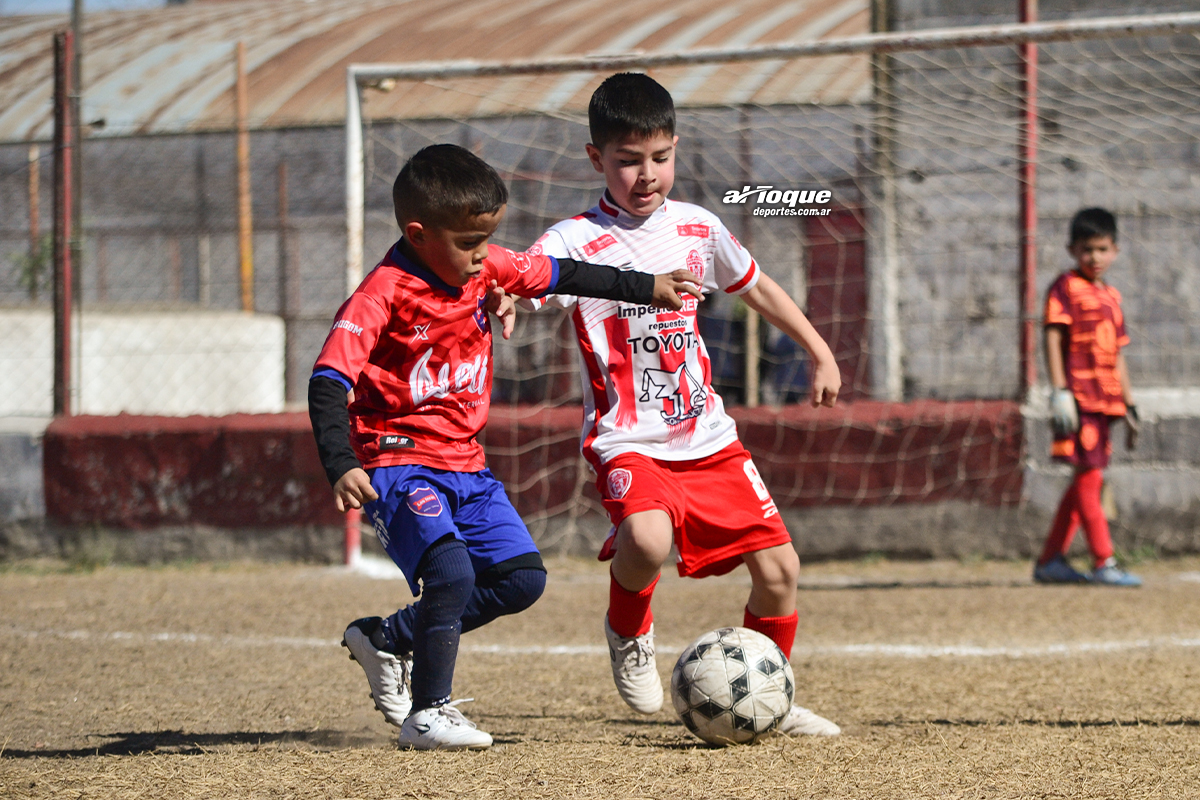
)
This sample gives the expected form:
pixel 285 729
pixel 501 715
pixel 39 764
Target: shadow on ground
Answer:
pixel 179 742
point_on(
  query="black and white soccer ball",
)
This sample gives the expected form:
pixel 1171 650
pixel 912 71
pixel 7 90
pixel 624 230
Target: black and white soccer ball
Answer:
pixel 732 686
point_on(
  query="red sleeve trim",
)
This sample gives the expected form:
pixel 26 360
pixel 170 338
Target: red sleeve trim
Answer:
pixel 749 276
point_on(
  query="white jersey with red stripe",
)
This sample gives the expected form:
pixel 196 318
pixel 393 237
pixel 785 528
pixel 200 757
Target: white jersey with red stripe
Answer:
pixel 647 377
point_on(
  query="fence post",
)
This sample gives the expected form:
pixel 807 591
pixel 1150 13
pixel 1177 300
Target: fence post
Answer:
pixel 64 147
pixel 1027 148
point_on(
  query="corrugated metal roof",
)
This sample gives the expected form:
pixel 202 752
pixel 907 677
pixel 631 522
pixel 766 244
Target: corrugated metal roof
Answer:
pixel 172 69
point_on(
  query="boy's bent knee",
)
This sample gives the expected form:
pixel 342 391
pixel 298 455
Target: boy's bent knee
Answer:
pixel 646 536
pixel 521 589
pixel 447 577
pixel 774 567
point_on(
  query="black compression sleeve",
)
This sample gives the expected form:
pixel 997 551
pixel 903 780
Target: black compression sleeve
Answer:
pixel 594 280
pixel 331 427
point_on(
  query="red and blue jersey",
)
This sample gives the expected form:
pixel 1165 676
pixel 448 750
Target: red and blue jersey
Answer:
pixel 417 354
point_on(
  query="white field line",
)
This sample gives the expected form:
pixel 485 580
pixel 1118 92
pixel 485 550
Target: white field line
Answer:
pixel 863 650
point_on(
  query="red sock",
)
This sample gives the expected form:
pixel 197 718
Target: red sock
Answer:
pixel 629 612
pixel 1095 524
pixel 1063 528
pixel 780 630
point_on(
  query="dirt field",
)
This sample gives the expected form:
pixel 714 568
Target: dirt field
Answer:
pixel 949 680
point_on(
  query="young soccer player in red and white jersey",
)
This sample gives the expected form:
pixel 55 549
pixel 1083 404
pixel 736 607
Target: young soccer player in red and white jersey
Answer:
pixel 670 468
pixel 1085 331
pixel 397 397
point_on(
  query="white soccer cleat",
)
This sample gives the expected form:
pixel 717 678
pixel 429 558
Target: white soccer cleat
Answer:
pixel 387 673
pixel 802 722
pixel 442 728
pixel 634 670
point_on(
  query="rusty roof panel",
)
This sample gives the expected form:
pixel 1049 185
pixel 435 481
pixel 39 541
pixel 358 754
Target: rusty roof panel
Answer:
pixel 172 69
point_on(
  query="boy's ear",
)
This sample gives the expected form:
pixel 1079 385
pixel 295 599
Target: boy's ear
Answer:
pixel 415 233
pixel 594 156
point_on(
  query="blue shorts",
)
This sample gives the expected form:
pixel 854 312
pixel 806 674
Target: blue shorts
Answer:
pixel 418 505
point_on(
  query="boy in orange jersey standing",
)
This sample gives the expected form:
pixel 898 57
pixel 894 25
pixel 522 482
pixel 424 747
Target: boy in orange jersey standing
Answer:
pixel 1085 331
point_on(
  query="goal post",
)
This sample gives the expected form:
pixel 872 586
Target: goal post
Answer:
pixel 911 269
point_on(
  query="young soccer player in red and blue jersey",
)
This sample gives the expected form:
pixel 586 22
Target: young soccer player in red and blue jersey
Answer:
pixel 397 397
pixel 1085 331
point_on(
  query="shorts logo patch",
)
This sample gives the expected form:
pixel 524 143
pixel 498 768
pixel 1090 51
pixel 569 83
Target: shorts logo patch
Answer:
pixel 424 502
pixel 619 481
pixel 391 441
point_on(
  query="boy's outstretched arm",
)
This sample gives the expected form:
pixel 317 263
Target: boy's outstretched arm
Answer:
pixel 767 298
pixel 327 402
pixel 596 280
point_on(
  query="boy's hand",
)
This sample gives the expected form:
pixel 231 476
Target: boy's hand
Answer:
pixel 353 490
pixel 826 383
pixel 1064 414
pixel 1133 427
pixel 503 306
pixel 668 289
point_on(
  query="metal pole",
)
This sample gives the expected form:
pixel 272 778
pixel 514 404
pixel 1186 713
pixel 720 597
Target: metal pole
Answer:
pixel 35 234
pixel 77 138
pixel 354 183
pixel 889 242
pixel 932 39
pixel 753 348
pixel 1027 189
pixel 286 281
pixel 245 223
pixel 63 157
pixel 351 532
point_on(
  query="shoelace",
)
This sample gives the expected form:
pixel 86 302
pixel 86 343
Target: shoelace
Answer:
pixel 451 712
pixel 641 650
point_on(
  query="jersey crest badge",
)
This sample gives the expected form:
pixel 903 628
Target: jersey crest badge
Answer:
pixel 695 264
pixel 619 481
pixel 424 502
pixel 683 397
pixel 481 317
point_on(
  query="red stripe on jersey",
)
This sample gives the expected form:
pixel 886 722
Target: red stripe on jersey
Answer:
pixel 607 207
pixel 673 360
pixel 620 371
pixel 750 273
pixel 596 381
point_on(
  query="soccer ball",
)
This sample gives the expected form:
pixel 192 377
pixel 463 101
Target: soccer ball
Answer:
pixel 732 686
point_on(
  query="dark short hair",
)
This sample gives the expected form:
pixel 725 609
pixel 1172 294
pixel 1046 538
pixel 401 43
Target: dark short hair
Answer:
pixel 443 184
pixel 1092 222
pixel 629 103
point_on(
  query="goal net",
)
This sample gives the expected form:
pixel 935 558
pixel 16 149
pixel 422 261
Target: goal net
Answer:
pixel 910 267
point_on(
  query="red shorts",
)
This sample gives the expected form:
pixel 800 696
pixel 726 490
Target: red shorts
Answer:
pixel 719 506
pixel 1090 446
